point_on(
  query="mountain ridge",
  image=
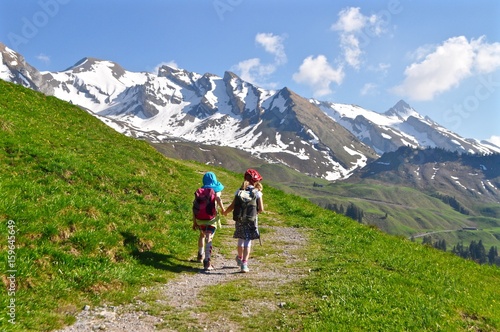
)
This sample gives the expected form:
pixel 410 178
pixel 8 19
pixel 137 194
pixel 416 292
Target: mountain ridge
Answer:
pixel 400 126
pixel 469 178
pixel 322 139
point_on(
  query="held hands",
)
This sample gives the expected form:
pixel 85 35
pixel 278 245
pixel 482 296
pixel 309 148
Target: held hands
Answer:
pixel 227 210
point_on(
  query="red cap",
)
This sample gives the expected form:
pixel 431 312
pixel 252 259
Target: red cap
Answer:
pixel 252 176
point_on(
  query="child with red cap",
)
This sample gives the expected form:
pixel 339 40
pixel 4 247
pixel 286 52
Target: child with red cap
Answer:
pixel 246 206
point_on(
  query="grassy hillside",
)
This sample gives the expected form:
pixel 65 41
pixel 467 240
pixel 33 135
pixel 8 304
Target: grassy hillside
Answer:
pixel 95 216
pixel 397 209
pixel 407 211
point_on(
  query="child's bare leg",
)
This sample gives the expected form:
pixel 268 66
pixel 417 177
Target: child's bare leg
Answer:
pixel 239 249
pixel 201 245
pixel 246 250
pixel 247 245
pixel 208 244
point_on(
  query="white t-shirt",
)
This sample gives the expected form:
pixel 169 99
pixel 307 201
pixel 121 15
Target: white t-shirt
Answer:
pixel 258 193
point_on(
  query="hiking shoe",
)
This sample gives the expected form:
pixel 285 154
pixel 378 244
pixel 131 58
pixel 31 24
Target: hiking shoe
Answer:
pixel 207 266
pixel 238 261
pixel 244 268
pixel 199 259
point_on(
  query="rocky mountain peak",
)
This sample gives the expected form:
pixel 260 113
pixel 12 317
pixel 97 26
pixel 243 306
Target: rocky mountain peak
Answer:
pixel 14 68
pixel 168 71
pixel 402 110
pixel 229 76
pixel 91 64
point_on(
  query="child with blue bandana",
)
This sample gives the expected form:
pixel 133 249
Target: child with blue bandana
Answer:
pixel 207 228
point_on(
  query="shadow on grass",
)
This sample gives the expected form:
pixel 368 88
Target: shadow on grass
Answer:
pixel 153 259
pixel 162 261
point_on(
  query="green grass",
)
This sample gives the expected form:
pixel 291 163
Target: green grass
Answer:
pixel 86 202
pixel 399 287
pixel 409 211
pixel 99 215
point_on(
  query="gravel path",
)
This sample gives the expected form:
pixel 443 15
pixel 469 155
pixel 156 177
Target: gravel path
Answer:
pixel 180 296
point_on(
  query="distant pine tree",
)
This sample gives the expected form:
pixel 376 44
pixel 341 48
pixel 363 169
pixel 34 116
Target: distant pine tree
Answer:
pixel 452 201
pixel 492 255
pixel 476 252
pixel 441 245
pixel 427 240
pixel 481 253
pixel 354 212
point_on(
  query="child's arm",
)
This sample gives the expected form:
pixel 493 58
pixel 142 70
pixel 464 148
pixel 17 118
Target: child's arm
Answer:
pixel 229 208
pixel 195 225
pixel 220 204
pixel 260 205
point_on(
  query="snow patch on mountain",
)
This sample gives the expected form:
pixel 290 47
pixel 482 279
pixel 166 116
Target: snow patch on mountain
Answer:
pixel 4 70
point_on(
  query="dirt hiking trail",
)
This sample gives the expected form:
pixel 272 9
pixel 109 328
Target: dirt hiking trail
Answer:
pixel 182 297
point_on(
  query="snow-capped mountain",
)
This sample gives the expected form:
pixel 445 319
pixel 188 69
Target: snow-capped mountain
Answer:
pixel 14 68
pixel 399 126
pixel 278 126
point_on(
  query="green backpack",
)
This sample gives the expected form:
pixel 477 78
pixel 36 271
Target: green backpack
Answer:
pixel 245 213
pixel 245 206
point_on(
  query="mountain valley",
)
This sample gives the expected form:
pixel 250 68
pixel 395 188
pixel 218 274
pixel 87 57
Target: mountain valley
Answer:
pixel 332 153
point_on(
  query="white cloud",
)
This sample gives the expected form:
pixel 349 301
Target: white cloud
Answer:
pixel 351 49
pixel 380 68
pixel 252 70
pixel 369 89
pixel 318 74
pixel 421 52
pixel 495 140
pixel 352 25
pixel 274 45
pixel 350 20
pixel 488 57
pixel 43 58
pixel 171 63
pixel 256 72
pixel 446 65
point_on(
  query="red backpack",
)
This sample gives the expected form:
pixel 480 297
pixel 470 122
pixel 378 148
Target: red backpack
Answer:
pixel 204 204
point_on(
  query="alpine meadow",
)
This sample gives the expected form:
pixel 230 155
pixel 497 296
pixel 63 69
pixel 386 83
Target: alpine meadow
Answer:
pixel 91 217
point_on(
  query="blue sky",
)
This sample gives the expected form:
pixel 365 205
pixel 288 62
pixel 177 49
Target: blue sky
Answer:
pixel 441 57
